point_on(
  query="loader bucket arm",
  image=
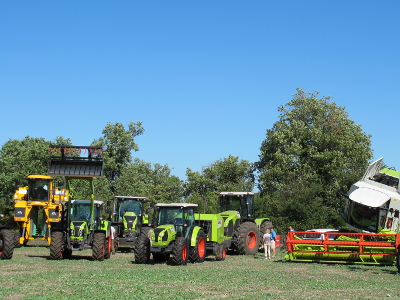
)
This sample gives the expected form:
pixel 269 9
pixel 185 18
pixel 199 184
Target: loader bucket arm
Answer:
pixel 75 161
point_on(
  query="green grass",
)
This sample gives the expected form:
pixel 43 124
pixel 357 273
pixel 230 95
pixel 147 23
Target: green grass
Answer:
pixel 32 275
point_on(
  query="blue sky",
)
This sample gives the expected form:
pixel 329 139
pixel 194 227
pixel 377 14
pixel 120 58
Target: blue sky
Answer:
pixel 204 77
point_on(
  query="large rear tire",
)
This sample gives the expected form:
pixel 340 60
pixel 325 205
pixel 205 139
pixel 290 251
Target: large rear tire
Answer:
pixel 56 245
pixel 7 243
pixel 142 249
pixel 198 252
pixel 180 252
pixel 248 238
pixel 99 246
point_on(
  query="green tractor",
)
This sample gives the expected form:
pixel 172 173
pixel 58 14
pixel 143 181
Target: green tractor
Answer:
pixel 240 224
pixel 175 235
pixel 129 220
pixel 82 225
pixel 7 241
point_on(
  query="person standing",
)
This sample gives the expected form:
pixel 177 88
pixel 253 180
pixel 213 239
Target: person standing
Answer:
pixel 273 242
pixel 291 228
pixel 112 240
pixel 267 243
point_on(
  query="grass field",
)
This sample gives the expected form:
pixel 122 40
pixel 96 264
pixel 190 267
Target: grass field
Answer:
pixel 32 275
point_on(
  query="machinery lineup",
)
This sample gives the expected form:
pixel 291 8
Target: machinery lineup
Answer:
pixel 48 209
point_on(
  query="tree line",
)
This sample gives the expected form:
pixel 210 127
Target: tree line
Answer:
pixel 313 150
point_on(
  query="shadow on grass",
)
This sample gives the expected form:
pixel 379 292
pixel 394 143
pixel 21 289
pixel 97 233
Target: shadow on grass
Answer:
pixel 373 269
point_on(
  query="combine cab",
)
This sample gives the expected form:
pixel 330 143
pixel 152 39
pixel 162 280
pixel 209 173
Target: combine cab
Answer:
pixel 37 208
pixel 129 220
pixel 372 212
pixel 82 226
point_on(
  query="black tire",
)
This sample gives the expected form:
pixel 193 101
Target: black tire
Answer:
pixel 220 255
pixel 142 249
pixel 180 252
pixel 7 244
pixel 160 257
pixel 264 226
pixel 99 245
pixel 56 245
pixel 248 238
pixel 398 259
pixel 17 236
pixel 197 253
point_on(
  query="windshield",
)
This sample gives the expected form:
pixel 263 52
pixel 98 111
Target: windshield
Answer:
pixel 130 205
pixel 181 218
pixel 39 189
pixel 238 203
pixel 80 212
pixel 166 215
pixel 365 217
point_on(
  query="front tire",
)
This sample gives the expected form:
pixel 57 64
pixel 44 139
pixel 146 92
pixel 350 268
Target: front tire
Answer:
pixel 180 252
pixel 142 249
pixel 56 245
pixel 221 253
pixel 198 252
pixel 98 248
pixel 248 238
pixel 7 243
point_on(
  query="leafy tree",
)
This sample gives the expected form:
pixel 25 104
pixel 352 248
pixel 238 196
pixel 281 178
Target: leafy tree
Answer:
pixel 228 174
pixel 118 145
pixel 154 181
pixel 312 151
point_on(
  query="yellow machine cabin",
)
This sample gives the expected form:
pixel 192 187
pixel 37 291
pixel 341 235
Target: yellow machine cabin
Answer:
pixel 38 207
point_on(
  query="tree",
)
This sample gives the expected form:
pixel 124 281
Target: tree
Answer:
pixel 118 145
pixel 143 179
pixel 228 174
pixel 312 151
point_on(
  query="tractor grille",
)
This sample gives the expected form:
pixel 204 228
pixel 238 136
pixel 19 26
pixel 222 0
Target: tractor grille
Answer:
pixel 157 232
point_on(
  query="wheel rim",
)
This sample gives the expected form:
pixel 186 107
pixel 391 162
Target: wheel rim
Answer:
pixel 251 239
pixel 201 248
pixel 184 253
pixel 224 253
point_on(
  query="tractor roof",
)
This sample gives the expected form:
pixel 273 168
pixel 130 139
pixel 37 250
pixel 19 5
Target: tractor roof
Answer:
pixel 176 205
pixel 131 197
pixel 39 177
pixel 96 202
pixel 235 193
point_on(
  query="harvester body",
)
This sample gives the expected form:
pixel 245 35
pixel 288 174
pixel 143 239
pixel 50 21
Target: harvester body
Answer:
pixel 175 234
pixel 129 220
pixel 371 212
pixel 83 226
pixel 37 208
pixel 7 242
pixel 240 224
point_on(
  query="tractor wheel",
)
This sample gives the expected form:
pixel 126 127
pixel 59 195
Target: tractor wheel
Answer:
pixel 264 226
pixel 198 252
pixel 56 245
pixel 99 245
pixel 180 252
pixel 109 241
pixel 142 249
pixel 221 253
pixel 248 238
pixel 6 244
pixel 160 257
pixel 17 236
pixel 398 259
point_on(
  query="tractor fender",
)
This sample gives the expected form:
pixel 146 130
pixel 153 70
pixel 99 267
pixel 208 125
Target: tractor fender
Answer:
pixel 195 232
pixel 260 221
pixel 105 226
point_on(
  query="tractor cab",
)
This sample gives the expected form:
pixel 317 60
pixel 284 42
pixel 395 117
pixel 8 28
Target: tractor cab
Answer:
pixel 84 218
pixel 241 202
pixel 128 215
pixel 180 215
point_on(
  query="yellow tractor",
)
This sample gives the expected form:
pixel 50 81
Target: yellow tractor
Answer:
pixel 38 208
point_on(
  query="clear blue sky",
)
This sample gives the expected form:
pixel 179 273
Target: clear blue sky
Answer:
pixel 204 77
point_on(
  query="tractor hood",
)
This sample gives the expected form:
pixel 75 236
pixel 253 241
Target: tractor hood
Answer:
pixel 369 197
